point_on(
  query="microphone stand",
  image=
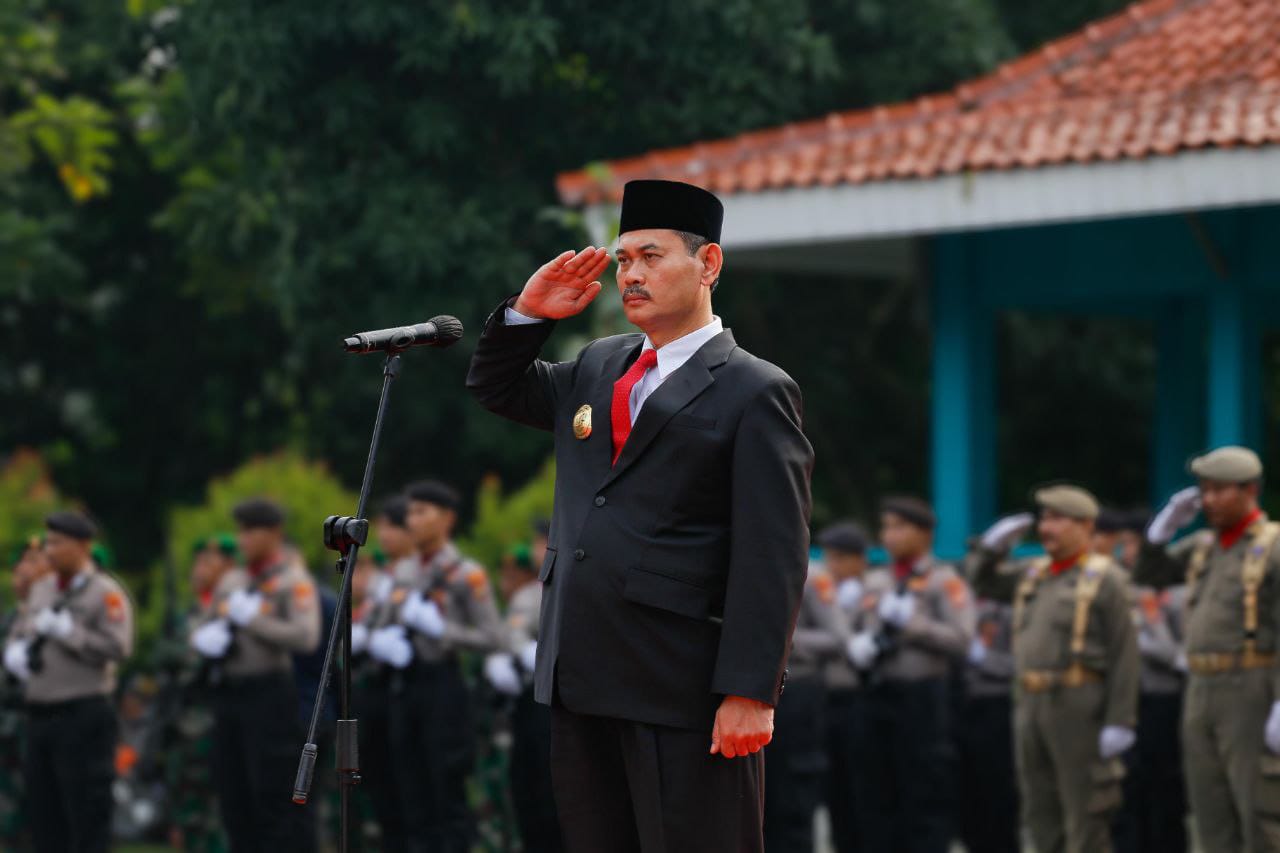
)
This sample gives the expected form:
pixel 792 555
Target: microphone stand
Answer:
pixel 345 535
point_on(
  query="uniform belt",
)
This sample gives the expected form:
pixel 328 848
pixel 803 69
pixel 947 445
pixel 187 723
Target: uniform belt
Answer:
pixel 1214 663
pixel 53 709
pixel 1044 680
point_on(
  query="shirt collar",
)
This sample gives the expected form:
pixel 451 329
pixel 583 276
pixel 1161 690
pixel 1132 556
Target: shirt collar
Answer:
pixel 672 356
pixel 1232 535
pixel 1057 567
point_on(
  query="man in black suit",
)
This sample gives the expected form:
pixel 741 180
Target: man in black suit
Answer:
pixel 679 542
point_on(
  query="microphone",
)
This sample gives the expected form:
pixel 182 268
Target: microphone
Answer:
pixel 439 331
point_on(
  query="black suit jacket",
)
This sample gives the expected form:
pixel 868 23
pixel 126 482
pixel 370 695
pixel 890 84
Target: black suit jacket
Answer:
pixel 673 578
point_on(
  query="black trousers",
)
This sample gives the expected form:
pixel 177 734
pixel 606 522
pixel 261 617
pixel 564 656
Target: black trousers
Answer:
pixel 844 727
pixel 1153 816
pixel 256 743
pixel 531 792
pixel 797 767
pixel 904 789
pixel 628 787
pixel 372 708
pixel 432 752
pixel 987 800
pixel 69 765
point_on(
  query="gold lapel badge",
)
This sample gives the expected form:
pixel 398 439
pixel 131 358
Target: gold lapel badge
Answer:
pixel 582 422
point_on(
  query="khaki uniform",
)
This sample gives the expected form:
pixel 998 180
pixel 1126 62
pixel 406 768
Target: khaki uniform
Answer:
pixel 461 589
pixel 906 774
pixel 845 714
pixel 524 613
pixel 1076 664
pixel 288 623
pixel 1232 778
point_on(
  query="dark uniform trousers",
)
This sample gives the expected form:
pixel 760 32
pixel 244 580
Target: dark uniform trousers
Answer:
pixel 987 796
pixel 377 786
pixel 432 752
pixel 797 767
pixel 69 766
pixel 531 792
pixel 1153 816
pixel 256 743
pixel 628 787
pixel 844 727
pixel 908 764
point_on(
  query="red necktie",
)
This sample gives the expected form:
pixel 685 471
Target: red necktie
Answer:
pixel 621 411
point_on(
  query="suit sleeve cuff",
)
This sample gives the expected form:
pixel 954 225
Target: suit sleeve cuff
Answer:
pixel 512 317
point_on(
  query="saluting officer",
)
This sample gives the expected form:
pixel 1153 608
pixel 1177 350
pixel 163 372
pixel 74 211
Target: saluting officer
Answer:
pixel 1231 711
pixel 262 614
pixel 443 604
pixel 77 628
pixel 1076 662
pixel 913 628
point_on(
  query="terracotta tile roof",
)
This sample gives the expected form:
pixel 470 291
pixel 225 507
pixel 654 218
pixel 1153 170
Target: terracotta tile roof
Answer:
pixel 1160 77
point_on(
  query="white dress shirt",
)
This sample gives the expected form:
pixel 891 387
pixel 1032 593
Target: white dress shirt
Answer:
pixel 671 357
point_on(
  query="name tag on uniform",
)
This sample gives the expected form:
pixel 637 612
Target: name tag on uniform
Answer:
pixel 582 422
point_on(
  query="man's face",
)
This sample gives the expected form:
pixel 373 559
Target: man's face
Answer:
pixel 66 554
pixel 392 538
pixel 902 539
pixel 1130 545
pixel 360 580
pixel 259 543
pixel 429 524
pixel 1063 536
pixel 660 282
pixel 1226 504
pixel 844 564
pixel 538 551
pixel 1106 543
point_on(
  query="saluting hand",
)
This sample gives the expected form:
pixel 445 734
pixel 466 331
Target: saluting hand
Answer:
pixel 564 286
pixel 742 726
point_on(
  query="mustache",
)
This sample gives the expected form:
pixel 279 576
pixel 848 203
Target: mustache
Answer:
pixel 635 290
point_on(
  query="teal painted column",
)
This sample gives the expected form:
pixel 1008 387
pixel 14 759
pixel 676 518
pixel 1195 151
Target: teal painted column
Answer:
pixel 1234 376
pixel 963 415
pixel 1178 427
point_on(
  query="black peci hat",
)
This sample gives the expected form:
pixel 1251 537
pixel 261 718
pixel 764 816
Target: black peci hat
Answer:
pixel 433 492
pixel 258 512
pixel 912 509
pixel 73 524
pixel 671 204
pixel 845 536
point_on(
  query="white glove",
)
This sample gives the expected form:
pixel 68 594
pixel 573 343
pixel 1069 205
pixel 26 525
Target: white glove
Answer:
pixel 897 608
pixel 391 645
pixel 1114 740
pixel 1174 516
pixel 529 656
pixel 1180 662
pixel 863 649
pixel 243 606
pixel 382 589
pixel 977 652
pixel 1146 643
pixel 212 639
pixel 422 615
pixel 54 623
pixel 500 670
pixel 849 593
pixel 1272 732
pixel 16 660
pixel 359 638
pixel 1001 535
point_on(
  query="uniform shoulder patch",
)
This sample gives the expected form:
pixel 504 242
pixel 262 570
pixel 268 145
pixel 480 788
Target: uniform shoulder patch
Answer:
pixel 825 586
pixel 478 582
pixel 115 605
pixel 957 591
pixel 304 595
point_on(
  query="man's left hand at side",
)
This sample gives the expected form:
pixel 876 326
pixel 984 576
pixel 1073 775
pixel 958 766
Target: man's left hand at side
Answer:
pixel 742 726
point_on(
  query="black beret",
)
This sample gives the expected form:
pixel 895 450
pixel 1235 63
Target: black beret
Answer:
pixel 1110 521
pixel 912 509
pixel 433 492
pixel 73 524
pixel 394 509
pixel 258 512
pixel 671 204
pixel 844 536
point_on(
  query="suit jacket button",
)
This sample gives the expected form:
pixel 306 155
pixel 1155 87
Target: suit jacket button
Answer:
pixel 600 501
pixel 579 554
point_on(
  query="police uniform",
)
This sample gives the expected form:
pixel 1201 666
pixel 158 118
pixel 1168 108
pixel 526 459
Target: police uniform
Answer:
pixel 908 764
pixel 796 757
pixel 257 733
pixel 432 737
pixel 1076 665
pixel 987 801
pixel 71 725
pixel 1231 621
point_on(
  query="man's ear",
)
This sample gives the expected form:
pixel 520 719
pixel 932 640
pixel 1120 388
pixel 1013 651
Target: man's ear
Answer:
pixel 712 263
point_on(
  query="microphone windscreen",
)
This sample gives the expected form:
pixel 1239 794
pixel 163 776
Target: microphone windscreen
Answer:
pixel 448 330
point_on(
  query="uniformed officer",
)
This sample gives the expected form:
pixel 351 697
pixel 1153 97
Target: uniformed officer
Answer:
pixel 844 559
pixel 796 758
pixel 1231 712
pixel 511 672
pixel 915 623
pixel 77 629
pixel 987 803
pixel 444 604
pixel 1153 817
pixel 262 614
pixel 1076 664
